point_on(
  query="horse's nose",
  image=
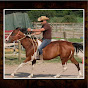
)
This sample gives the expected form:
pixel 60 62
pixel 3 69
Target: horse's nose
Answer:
pixel 7 41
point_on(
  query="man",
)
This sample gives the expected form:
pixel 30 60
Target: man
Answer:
pixel 46 29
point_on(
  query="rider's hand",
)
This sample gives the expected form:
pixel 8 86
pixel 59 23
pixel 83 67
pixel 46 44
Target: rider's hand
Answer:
pixel 29 29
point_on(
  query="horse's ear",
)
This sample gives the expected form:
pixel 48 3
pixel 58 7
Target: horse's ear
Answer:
pixel 18 28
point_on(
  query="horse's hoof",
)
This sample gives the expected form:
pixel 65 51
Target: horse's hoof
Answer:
pixel 57 76
pixel 12 74
pixel 30 76
pixel 79 76
pixel 80 73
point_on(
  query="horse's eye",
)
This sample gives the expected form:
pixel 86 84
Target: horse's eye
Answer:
pixel 13 34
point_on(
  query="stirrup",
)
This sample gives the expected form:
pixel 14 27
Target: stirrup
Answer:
pixel 37 56
pixel 37 59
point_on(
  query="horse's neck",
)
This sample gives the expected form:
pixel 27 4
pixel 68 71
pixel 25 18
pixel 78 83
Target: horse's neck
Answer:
pixel 26 43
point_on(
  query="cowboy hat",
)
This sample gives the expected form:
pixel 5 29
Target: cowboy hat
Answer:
pixel 43 18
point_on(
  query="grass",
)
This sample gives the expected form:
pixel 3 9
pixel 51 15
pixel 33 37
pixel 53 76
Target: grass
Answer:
pixel 70 39
pixel 13 61
pixel 11 51
pixel 75 40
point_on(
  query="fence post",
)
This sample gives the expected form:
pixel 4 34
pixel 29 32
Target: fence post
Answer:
pixel 14 48
pixel 73 29
pixel 64 34
pixel 56 26
pixel 19 55
pixel 36 25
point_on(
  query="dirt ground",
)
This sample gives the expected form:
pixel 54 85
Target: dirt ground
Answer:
pixel 44 70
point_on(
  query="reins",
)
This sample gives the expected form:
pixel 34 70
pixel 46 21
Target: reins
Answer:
pixel 32 39
pixel 21 38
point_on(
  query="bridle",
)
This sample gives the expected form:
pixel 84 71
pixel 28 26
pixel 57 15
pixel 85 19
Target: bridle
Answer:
pixel 32 39
pixel 18 35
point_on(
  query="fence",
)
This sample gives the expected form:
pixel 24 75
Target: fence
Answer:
pixel 13 45
pixel 72 30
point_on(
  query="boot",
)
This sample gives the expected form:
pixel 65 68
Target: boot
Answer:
pixel 41 57
pixel 37 56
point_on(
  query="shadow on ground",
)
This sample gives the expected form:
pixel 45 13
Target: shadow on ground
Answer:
pixel 25 75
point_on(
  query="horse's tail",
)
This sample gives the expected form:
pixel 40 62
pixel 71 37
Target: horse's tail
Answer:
pixel 78 47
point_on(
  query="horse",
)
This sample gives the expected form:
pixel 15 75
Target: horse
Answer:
pixel 64 49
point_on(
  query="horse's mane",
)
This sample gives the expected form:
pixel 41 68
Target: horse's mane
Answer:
pixel 23 30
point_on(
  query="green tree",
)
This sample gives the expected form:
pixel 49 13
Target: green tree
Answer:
pixel 69 19
pixel 57 15
pixel 34 14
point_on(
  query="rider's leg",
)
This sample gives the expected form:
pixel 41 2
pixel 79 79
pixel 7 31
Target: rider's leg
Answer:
pixel 43 45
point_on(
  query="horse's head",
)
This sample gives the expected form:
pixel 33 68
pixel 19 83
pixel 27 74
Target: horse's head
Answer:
pixel 15 35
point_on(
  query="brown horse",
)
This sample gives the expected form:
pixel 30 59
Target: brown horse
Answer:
pixel 64 49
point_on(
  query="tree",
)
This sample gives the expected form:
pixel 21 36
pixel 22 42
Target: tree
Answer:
pixel 55 15
pixel 69 19
pixel 34 14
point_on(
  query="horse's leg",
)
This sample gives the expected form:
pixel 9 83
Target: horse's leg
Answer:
pixel 32 68
pixel 27 60
pixel 64 65
pixel 73 60
pixel 33 64
pixel 20 66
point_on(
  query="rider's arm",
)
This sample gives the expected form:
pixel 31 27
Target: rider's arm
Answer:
pixel 36 33
pixel 36 30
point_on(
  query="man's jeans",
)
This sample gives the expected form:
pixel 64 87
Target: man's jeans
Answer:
pixel 45 42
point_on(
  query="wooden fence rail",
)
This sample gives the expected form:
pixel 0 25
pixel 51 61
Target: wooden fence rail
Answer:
pixel 75 30
pixel 61 26
pixel 13 46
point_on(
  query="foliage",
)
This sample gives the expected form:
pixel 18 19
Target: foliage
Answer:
pixel 57 15
pixel 34 14
pixel 56 20
pixel 79 19
pixel 69 19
